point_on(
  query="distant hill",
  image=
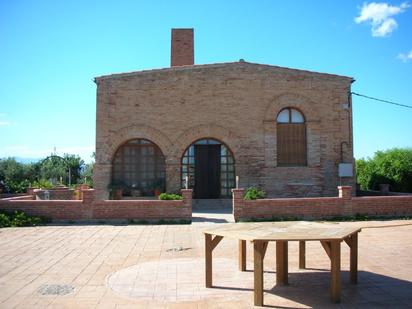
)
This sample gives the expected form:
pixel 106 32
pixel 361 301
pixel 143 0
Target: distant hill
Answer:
pixel 27 160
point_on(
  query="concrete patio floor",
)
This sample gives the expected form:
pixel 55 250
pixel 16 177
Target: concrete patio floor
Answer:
pixel 162 266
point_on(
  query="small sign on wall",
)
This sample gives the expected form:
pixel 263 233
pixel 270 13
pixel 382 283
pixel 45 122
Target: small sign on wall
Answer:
pixel 345 170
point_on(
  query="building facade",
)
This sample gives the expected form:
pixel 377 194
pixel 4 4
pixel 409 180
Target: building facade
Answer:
pixel 284 130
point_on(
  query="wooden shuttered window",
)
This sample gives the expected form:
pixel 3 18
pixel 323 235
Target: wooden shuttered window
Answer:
pixel 291 144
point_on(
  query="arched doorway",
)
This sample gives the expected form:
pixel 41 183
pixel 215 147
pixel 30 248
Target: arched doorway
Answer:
pixel 139 168
pixel 210 168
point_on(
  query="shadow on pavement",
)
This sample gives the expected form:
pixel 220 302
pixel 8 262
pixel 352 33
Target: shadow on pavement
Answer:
pixel 312 289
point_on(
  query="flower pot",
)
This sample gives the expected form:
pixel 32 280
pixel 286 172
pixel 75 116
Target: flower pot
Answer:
pixel 117 194
pixel 157 192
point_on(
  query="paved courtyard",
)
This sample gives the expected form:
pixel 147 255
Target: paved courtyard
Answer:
pixel 162 266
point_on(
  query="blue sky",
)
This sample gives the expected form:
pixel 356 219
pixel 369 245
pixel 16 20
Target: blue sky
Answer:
pixel 51 50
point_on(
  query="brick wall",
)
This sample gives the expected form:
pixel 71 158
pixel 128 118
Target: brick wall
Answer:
pixel 322 207
pixel 18 197
pixel 236 103
pixel 55 194
pixel 53 209
pixel 91 209
pixel 382 205
pixel 145 209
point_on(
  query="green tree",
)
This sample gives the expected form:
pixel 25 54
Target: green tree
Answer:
pixel 393 166
pixel 16 177
pixel 76 166
pixel 55 167
pixel 87 172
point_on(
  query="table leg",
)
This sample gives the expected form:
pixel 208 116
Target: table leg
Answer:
pixel 208 259
pixel 210 244
pixel 281 262
pixel 242 255
pixel 354 258
pixel 258 272
pixel 335 270
pixel 302 254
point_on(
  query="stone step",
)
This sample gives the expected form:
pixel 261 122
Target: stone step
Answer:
pixel 212 204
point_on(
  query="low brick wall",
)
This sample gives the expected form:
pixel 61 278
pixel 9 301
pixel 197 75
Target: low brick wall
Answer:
pixel 382 205
pixel 321 207
pixel 91 209
pixel 52 209
pixel 13 195
pixel 145 209
pixel 148 210
pixel 54 194
pixel 19 198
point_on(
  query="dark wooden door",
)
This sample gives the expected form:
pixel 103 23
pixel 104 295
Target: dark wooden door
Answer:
pixel 207 171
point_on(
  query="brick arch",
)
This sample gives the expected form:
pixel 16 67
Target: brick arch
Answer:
pixel 137 131
pixel 306 106
pixel 212 131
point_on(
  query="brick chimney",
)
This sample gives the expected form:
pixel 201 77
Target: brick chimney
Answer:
pixel 182 47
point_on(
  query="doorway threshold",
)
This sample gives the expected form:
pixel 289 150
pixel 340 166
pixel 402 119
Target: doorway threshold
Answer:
pixel 212 211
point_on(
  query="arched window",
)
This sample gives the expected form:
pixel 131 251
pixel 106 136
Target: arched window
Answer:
pixel 210 168
pixel 291 138
pixel 139 168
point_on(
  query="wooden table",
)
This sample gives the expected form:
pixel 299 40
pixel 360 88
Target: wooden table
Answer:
pixel 330 236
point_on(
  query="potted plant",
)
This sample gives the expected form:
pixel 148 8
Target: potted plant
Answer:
pixel 116 189
pixel 158 187
pixel 135 191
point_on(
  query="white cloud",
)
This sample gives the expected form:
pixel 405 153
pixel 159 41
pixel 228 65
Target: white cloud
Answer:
pixel 4 123
pixel 405 57
pixel 385 28
pixel 380 15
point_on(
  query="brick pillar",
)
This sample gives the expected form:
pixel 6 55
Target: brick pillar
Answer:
pixel 384 188
pixel 345 193
pixel 30 191
pixel 182 47
pixel 172 174
pixel 101 179
pixel 237 202
pixel 187 201
pixel 88 199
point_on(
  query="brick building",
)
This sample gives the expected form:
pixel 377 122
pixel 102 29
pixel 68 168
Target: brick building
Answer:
pixel 282 129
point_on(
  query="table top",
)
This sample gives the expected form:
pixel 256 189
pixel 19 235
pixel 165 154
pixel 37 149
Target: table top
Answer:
pixel 290 230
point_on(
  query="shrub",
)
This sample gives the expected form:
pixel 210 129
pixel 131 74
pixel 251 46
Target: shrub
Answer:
pixel 4 220
pixel 170 196
pixel 393 166
pixel 19 218
pixel 254 193
pixel 42 184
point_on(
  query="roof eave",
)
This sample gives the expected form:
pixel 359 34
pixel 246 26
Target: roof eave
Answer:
pixel 214 65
